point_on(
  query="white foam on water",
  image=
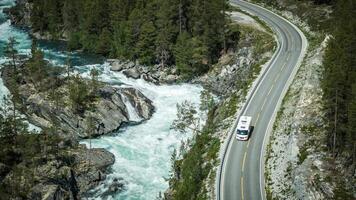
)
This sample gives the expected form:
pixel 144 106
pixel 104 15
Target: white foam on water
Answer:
pixel 143 152
pixel 133 115
pixel 23 39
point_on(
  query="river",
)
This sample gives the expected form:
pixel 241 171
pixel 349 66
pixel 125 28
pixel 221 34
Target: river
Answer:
pixel 142 151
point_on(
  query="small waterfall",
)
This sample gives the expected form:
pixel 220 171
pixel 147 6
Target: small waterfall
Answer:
pixel 133 115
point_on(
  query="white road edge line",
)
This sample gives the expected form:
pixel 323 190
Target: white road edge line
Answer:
pixel 242 188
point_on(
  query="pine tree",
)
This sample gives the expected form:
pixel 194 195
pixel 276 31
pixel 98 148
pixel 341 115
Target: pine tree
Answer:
pixel 104 44
pixel 351 132
pixel 78 94
pixel 183 52
pixel 37 68
pixel 54 16
pixel 39 21
pixel 11 52
pixel 94 73
pixel 145 46
pixel 338 79
pixel 167 31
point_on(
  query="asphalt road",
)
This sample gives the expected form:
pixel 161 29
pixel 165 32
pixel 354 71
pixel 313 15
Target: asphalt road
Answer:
pixel 241 175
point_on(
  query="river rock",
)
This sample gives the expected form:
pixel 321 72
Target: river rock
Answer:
pixel 117 66
pixel 171 78
pixel 150 79
pixel 132 73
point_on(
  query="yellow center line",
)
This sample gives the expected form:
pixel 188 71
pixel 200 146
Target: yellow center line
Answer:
pixel 242 188
pixel 243 162
pixel 264 103
pixel 270 90
pixel 248 143
pixel 258 117
pixel 275 80
pixel 284 65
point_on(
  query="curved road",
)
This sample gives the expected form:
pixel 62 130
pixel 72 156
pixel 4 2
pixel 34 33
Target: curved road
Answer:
pixel 241 174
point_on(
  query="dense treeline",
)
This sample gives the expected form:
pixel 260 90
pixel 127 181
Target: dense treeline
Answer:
pixel 338 81
pixel 190 34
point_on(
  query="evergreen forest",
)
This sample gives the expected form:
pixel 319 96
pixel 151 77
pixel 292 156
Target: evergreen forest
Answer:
pixel 189 34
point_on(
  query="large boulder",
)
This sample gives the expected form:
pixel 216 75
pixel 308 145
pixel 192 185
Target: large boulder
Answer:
pixel 132 73
pixel 117 65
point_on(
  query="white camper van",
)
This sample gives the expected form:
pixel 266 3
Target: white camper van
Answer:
pixel 243 128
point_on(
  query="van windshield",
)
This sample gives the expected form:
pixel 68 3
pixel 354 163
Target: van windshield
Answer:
pixel 240 132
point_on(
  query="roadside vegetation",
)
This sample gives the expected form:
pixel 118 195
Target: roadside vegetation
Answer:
pixel 195 164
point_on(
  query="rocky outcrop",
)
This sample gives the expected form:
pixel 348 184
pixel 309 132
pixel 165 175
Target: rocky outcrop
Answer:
pixel 68 174
pixel 235 69
pixel 156 74
pixel 112 109
pixel 225 78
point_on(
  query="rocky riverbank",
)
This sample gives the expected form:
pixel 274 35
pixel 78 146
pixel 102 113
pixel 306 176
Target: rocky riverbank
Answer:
pixel 111 110
pixel 156 74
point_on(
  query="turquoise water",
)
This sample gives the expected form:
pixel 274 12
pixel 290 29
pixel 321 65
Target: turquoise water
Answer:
pixel 143 151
